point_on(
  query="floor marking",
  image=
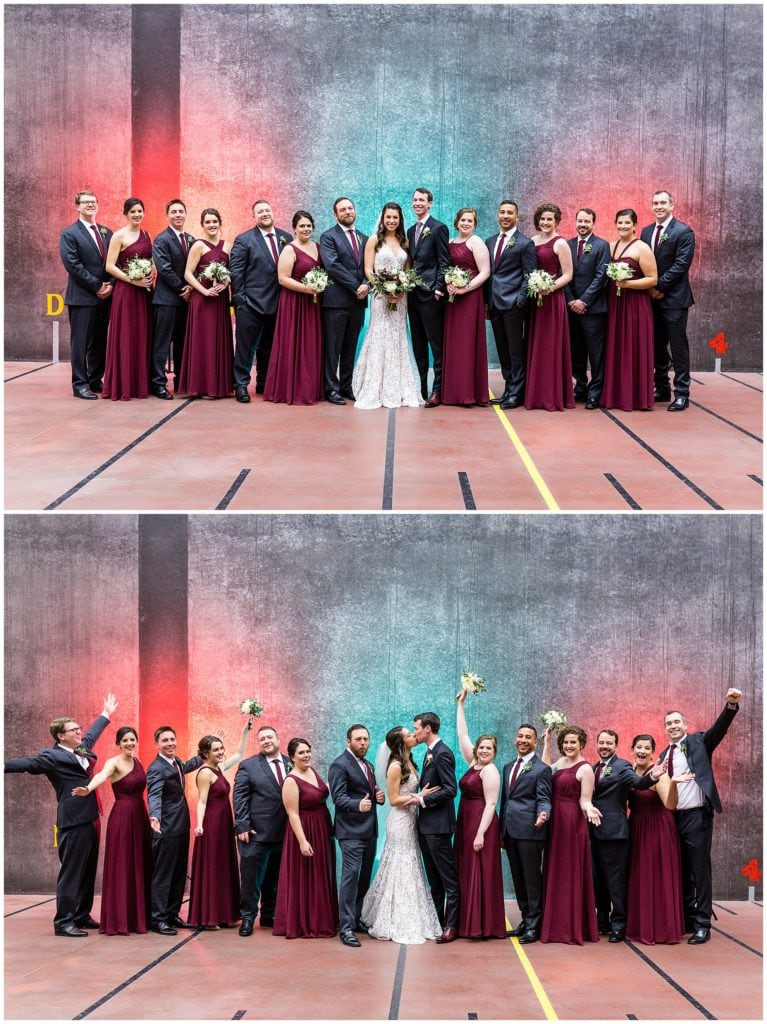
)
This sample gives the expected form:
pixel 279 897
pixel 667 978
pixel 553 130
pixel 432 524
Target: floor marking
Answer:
pixel 725 420
pixel 16 377
pixel 733 939
pixel 741 382
pixel 757 479
pixel 725 909
pixel 667 977
pixel 532 977
pixel 239 481
pixel 396 992
pixel 623 492
pixel 239 1015
pixel 527 462
pixel 30 907
pixel 468 497
pixel 388 489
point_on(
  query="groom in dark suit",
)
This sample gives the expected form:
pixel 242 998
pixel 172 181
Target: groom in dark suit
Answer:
pixel 436 823
pixel 342 252
pixel 430 255
pixel 673 244
pixel 83 248
pixel 170 300
pixel 255 293
pixel 587 308
pixel 69 763
pixel 355 795
pixel 525 812
pixel 259 824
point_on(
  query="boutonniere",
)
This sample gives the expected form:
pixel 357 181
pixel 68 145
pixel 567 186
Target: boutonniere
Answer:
pixel 104 232
pixel 588 248
pixel 663 238
pixel 428 760
pixel 683 748
pixel 283 240
pixel 289 767
pixel 607 772
pixel 81 750
pixel 525 768
pixel 426 232
pixel 510 243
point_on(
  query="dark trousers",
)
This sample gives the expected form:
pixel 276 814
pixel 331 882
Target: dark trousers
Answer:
pixel 340 334
pixel 169 330
pixel 526 864
pixel 696 830
pixel 439 862
pixel 254 336
pixel 427 325
pixel 259 874
pixel 357 856
pixel 587 348
pixel 170 856
pixel 671 348
pixel 610 865
pixel 509 333
pixel 78 856
pixel 88 342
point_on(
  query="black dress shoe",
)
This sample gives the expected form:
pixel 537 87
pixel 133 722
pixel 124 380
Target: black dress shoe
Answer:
pixel 501 399
pixel 241 394
pixel 662 394
pixel 592 403
pixel 348 393
pixel 519 930
pixel 362 928
pixel 178 922
pixel 72 931
pixel 260 388
pixel 334 398
pixel 83 391
pixel 246 928
pixel 162 393
pixel 528 937
pixel 266 922
pixel 513 402
pixel 699 936
pixel 87 922
pixel 680 402
pixel 616 937
pixel 350 939
pixel 96 387
pixel 163 928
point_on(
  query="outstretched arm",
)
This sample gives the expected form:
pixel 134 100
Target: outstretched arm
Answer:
pixel 240 753
pixel 109 769
pixel 467 747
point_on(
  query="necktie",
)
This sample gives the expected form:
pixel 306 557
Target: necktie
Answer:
pixel 513 780
pixel 353 239
pixel 371 780
pixel 580 248
pixel 273 244
pixel 598 773
pixel 658 233
pixel 182 239
pixel 499 249
pixel 671 760
pixel 280 773
pixel 418 230
pixel 99 241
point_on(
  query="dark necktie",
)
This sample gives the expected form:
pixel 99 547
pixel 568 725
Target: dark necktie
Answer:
pixel 672 748
pixel 182 239
pixel 581 243
pixel 513 779
pixel 598 773
pixel 280 773
pixel 499 250
pixel 371 780
pixel 658 233
pixel 99 241
pixel 353 240
pixel 273 244
pixel 418 230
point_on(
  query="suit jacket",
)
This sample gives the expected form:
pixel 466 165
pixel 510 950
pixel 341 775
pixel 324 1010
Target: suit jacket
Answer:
pixel 254 272
pixel 589 274
pixel 507 285
pixel 348 786
pixel 674 258
pixel 166 796
pixel 531 795
pixel 64 772
pixel 431 257
pixel 170 260
pixel 258 800
pixel 700 746
pixel 611 796
pixel 346 272
pixel 84 264
pixel 437 816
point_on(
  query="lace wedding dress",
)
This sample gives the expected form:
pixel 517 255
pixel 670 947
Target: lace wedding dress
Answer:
pixel 398 905
pixel 385 374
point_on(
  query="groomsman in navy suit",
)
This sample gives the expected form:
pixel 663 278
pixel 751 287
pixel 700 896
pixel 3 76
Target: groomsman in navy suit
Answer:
pixel 698 802
pixel 512 258
pixel 171 297
pixel 525 812
pixel 342 252
pixel 355 795
pixel 69 763
pixel 256 294
pixel 430 255
pixel 587 308
pixel 673 244
pixel 83 248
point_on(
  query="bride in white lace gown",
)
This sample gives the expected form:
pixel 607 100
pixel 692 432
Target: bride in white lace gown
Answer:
pixel 398 904
pixel 386 374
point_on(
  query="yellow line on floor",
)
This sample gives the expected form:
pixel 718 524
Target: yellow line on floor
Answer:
pixel 532 977
pixel 527 462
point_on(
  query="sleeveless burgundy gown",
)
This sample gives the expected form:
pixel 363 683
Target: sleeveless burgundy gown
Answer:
pixel 214 892
pixel 206 365
pixel 628 346
pixel 549 368
pixel 480 875
pixel 655 909
pixel 464 347
pixel 307 900
pixel 569 909
pixel 129 337
pixel 295 365
pixel 127 857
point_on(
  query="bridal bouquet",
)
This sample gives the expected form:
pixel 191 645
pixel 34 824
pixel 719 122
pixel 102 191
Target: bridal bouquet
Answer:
pixel 555 719
pixel 618 272
pixel 217 273
pixel 394 282
pixel 318 279
pixel 472 683
pixel 539 282
pixel 138 268
pixel 251 707
pixel 458 278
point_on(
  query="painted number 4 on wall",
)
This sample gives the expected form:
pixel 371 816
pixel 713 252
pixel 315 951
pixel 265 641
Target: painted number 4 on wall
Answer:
pixel 751 870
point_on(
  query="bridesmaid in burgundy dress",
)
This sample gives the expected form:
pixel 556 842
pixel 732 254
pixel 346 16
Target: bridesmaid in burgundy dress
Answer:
pixel 214 891
pixel 569 908
pixel 655 907
pixel 478 838
pixel 295 365
pixel 128 848
pixel 629 344
pixel 307 900
pixel 129 338
pixel 206 365
pixel 464 366
pixel 549 369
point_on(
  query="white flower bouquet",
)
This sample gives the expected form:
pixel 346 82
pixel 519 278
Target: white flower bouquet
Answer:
pixel 618 272
pixel 251 707
pixel 217 273
pixel 458 277
pixel 556 719
pixel 394 282
pixel 472 683
pixel 138 268
pixel 317 279
pixel 539 283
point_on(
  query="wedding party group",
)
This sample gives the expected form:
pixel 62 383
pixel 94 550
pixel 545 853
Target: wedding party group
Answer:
pixel 620 848
pixel 579 319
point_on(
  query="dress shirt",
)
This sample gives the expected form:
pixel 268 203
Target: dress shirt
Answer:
pixel 690 793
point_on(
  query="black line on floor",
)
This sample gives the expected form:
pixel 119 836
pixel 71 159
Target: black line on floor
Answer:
pixel 396 992
pixel 16 376
pixel 752 387
pixel 472 1016
pixel 224 503
pixel 729 423
pixel 239 1015
pixel 30 907
pixel 664 462
pixel 468 497
pixel 675 985
pixel 755 903
pixel 110 462
pixel 733 939
pixel 623 492
pixel 134 977
pixel 631 1016
pixel 725 909
pixel 388 489
pixel 757 479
